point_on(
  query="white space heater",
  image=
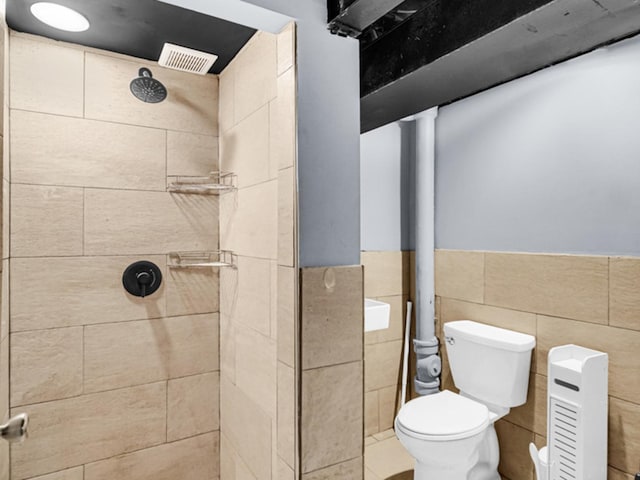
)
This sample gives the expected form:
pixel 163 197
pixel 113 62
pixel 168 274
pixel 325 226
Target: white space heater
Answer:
pixel 576 417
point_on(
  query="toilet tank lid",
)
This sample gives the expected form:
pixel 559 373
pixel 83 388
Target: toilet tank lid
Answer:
pixel 490 335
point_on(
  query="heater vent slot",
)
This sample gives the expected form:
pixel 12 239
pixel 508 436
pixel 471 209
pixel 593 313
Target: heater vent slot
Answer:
pixel 564 448
pixel 186 59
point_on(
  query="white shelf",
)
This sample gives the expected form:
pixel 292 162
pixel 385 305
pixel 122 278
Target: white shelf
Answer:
pixel 217 259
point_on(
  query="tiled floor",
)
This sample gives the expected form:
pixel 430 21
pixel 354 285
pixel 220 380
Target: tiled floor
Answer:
pixel 386 459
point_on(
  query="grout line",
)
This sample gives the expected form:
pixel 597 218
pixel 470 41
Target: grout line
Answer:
pixel 92 187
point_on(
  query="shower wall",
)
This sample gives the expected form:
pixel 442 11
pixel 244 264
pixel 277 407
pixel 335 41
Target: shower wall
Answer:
pixel 258 299
pixel 115 386
pixel 4 289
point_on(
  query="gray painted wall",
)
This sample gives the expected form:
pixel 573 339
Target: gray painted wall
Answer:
pixel 546 163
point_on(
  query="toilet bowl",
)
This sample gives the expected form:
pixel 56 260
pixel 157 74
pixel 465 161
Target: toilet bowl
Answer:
pixel 451 436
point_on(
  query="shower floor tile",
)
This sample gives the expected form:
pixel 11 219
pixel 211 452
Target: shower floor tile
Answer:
pixel 386 459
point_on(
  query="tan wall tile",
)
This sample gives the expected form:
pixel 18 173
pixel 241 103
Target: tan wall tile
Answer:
pixel 6 210
pixel 46 365
pixel 131 353
pixel 249 221
pixel 351 470
pixel 286 217
pixel 191 104
pixel 4 378
pixel 564 286
pixel 331 416
pixel 247 427
pixel 227 348
pixel 332 307
pixel 191 290
pixel 76 473
pixel 624 434
pixel 191 154
pixel 286 44
pixel 613 474
pixel 397 317
pixel 256 368
pixel 285 472
pixel 83 429
pixel 226 106
pixel 515 461
pixel 4 299
pixel 389 402
pixel 128 222
pixel 193 405
pixel 70 293
pixel 385 273
pixel 371 413
pixel 282 116
pixel 255 75
pixel 620 344
pixel 624 292
pixel 55 150
pixel 287 417
pixel 382 365
pixel 227 459
pixel 46 77
pixel 245 149
pixel 45 221
pixel 460 275
pixel 192 459
pixel 286 315
pixel 389 459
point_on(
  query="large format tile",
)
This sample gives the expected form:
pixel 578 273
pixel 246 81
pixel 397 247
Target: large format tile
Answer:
pixel 460 275
pixel 286 314
pixel 286 435
pixel 624 292
pixel 350 470
pixel 624 434
pixel 76 473
pixel 286 217
pixel 332 307
pixel 515 461
pixel 45 221
pixel 69 292
pixel 46 77
pixel 331 416
pixel 533 414
pixel 84 429
pixel 256 368
pixel 621 346
pixel 282 119
pixel 193 405
pixel 131 353
pixel 6 213
pixel 191 104
pixel 46 365
pixel 385 273
pixel 382 365
pixel 371 424
pixel 191 290
pixel 286 44
pixel 563 286
pixel 192 459
pixel 128 222
pixel 191 154
pixel 226 106
pixel 388 458
pixel 55 150
pixel 453 310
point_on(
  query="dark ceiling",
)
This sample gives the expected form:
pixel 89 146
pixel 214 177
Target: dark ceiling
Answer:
pixel 139 28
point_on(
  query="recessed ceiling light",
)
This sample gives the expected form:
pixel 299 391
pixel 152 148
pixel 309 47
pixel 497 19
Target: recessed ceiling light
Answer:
pixel 60 17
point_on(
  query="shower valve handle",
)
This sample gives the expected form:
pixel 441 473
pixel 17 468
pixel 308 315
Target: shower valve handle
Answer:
pixel 144 279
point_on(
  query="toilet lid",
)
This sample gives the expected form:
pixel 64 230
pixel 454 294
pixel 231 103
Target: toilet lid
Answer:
pixel 444 414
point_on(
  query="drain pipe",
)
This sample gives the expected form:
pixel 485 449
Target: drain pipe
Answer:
pixel 425 344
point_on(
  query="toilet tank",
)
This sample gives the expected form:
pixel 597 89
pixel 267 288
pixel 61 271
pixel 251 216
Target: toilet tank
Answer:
pixel 489 363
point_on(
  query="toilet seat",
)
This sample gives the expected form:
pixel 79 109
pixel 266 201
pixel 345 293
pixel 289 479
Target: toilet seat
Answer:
pixel 442 417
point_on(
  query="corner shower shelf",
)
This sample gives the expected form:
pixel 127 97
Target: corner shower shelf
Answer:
pixel 221 258
pixel 213 184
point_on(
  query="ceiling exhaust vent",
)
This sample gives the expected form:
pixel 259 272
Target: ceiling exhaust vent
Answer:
pixel 186 59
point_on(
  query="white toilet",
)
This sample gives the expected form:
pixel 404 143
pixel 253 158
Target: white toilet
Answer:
pixel 451 435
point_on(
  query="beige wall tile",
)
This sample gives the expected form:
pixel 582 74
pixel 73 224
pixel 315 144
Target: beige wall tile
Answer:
pixel 227 348
pixel 191 154
pixel 4 299
pixel 6 210
pixel 564 286
pixel 351 470
pixel 83 429
pixel 621 346
pixel 55 150
pixel 245 293
pixel 191 104
pixel 331 416
pixel 128 222
pixel 624 434
pixel 286 44
pixel 385 273
pixel 515 461
pixel 45 221
pixel 227 459
pixel 282 115
pixel 193 405
pixel 4 378
pixel 192 459
pixel 226 106
pixel 389 458
pixel 245 149
pixel 70 293
pixel 397 317
pixel 249 221
pixel 76 473
pixel 247 427
pixel 613 474
pixel 191 290
pixel 382 365
pixel 256 368
pixel 624 292
pixel 460 275
pixel 131 353
pixel 46 365
pixel 286 435
pixel 286 217
pixel 286 314
pixel 285 472
pixel 332 307
pixel 255 75
pixel 46 77
pixel 371 413
pixel 388 399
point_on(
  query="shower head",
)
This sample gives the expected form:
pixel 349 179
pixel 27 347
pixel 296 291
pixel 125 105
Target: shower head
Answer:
pixel 147 88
